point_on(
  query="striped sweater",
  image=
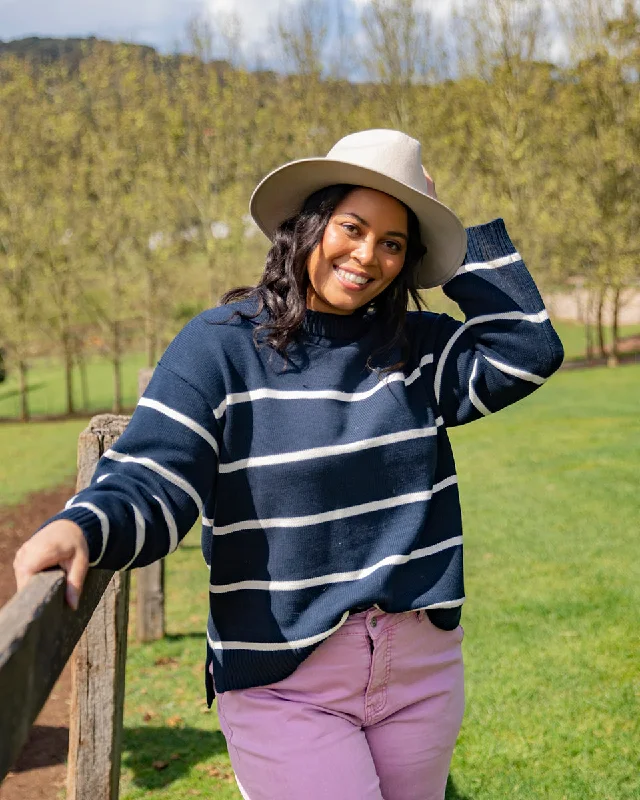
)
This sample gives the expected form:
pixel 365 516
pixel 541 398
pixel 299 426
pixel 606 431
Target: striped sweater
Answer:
pixel 322 485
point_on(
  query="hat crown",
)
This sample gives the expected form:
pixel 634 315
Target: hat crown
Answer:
pixel 391 153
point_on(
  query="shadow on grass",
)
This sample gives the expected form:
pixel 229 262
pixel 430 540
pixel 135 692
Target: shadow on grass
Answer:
pixel 453 793
pixel 5 394
pixel 160 756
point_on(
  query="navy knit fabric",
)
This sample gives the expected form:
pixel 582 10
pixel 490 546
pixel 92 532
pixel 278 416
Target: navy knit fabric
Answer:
pixel 322 485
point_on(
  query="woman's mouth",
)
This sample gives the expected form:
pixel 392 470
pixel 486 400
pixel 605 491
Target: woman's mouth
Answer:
pixel 350 280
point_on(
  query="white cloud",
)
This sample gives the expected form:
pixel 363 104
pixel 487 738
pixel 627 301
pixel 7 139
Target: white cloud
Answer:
pixel 162 23
pixel 155 21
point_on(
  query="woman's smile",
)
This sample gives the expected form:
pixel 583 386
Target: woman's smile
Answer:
pixel 361 252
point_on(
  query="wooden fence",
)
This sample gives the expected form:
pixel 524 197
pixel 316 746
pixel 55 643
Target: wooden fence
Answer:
pixel 38 634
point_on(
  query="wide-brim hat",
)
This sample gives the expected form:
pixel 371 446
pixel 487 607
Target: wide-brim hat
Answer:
pixel 389 161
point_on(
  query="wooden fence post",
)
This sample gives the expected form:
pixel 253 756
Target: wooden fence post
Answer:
pixel 149 580
pixel 98 665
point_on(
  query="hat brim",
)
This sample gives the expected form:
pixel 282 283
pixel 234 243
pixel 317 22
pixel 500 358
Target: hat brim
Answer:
pixel 283 192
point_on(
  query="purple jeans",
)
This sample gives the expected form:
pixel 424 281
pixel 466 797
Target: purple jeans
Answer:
pixel 372 714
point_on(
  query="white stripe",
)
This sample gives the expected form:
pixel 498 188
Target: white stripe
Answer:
pixel 446 604
pixel 503 261
pixel 516 371
pixel 182 419
pixel 477 402
pixel 541 316
pixel 140 534
pixel 273 646
pixel 104 526
pixel 333 450
pixel 171 525
pixel 103 477
pixel 149 463
pixel 337 577
pixel 337 513
pixel 70 502
pixel 317 394
pixel 207 523
pixel 428 359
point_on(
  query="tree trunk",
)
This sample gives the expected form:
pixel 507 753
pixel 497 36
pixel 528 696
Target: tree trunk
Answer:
pixel 151 333
pixel 615 328
pixel 24 391
pixel 84 382
pixel 588 337
pixel 116 360
pixel 602 349
pixel 67 350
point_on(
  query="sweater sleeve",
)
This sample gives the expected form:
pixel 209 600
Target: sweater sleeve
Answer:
pixel 506 347
pixel 148 490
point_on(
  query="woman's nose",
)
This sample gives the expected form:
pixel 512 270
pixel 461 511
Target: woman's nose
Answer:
pixel 365 251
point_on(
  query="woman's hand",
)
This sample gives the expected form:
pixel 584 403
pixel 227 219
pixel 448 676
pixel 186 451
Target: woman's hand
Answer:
pixel 431 187
pixel 59 544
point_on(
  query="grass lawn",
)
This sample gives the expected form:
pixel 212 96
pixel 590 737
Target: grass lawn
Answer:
pixel 39 455
pixel 550 500
pixel 47 391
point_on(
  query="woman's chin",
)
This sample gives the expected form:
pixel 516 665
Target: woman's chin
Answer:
pixel 343 306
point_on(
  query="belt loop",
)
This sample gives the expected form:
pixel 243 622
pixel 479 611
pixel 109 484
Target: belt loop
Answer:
pixel 420 614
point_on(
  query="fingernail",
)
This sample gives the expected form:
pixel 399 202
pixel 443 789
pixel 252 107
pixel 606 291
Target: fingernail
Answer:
pixel 72 598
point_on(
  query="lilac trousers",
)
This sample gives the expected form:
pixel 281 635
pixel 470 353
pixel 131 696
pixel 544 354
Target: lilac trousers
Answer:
pixel 372 714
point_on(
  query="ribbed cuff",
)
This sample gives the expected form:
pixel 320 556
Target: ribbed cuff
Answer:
pixel 488 241
pixel 90 525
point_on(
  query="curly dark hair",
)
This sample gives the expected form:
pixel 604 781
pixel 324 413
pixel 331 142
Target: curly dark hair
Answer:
pixel 282 289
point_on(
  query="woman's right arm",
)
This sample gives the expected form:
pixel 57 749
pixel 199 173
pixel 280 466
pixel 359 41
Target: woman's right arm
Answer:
pixel 149 489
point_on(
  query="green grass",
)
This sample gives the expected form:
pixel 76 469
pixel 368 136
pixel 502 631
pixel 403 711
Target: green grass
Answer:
pixel 39 455
pixel 550 501
pixel 47 389
pixel 573 337
pixel 549 492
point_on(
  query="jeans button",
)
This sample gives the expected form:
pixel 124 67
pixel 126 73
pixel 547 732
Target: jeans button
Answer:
pixel 373 622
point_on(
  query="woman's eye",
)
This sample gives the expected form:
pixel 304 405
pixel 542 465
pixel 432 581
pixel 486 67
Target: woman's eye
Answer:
pixel 349 227
pixel 394 246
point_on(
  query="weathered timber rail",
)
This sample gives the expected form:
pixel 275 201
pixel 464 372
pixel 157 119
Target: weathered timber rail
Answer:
pixel 38 634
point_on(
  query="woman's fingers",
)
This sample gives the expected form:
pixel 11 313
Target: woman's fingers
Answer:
pixel 61 543
pixel 76 573
pixel 431 186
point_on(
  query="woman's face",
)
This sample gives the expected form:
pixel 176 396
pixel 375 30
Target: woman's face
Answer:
pixel 362 250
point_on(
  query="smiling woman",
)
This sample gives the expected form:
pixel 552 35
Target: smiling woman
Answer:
pixel 361 252
pixel 305 420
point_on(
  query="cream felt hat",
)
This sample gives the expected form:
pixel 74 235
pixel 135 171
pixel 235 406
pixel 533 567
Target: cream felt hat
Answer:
pixel 389 161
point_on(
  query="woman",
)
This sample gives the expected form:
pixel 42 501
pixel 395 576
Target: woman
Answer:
pixel 306 421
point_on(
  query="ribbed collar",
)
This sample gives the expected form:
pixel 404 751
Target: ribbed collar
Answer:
pixel 339 328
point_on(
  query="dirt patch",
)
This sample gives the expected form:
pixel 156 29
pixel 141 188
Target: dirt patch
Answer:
pixel 40 771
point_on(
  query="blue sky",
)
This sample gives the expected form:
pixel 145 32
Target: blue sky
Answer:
pixel 162 23
pixel 157 22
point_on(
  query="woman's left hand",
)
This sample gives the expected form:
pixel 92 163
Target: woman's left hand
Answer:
pixel 431 187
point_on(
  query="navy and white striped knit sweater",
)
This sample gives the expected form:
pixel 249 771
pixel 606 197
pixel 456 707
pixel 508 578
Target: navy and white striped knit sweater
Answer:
pixel 325 486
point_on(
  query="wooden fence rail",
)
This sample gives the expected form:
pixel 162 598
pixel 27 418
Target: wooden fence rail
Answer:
pixel 38 633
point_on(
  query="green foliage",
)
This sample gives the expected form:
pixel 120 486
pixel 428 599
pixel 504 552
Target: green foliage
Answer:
pixel 121 169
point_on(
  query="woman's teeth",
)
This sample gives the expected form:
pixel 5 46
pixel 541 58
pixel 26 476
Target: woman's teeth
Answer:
pixel 350 277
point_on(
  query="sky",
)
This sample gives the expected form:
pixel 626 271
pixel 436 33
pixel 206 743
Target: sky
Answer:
pixel 160 23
